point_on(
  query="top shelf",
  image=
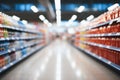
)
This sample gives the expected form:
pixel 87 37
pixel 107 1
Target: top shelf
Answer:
pixel 20 29
pixel 114 21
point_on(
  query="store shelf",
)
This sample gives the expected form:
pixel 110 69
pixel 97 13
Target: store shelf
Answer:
pixel 19 29
pixel 16 49
pixel 115 66
pixel 101 45
pixel 100 35
pixel 19 38
pixel 20 59
pixel 117 20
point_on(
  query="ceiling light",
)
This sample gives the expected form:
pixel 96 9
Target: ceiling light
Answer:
pixel 74 17
pixel 113 6
pixel 58 11
pixel 80 9
pixel 34 9
pixel 46 21
pixel 24 22
pixel 58 4
pixel 16 18
pixel 83 22
pixel 89 18
pixel 41 17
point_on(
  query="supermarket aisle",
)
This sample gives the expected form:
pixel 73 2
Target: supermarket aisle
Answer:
pixel 59 61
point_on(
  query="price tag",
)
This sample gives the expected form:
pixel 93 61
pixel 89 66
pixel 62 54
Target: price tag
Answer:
pixel 7 38
pixel 109 62
pixel 100 57
pixel 117 34
pixel 110 34
pixel 17 38
pixel 4 67
pixel 22 47
pixel 11 64
pixel 20 58
pixel 2 39
pixel 111 22
pixel 9 51
pixel 13 38
pixel 13 49
pixel 118 20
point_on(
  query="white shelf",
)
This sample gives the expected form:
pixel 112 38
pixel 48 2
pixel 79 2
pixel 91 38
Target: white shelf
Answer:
pixel 107 23
pixel 100 35
pixel 20 59
pixel 101 45
pixel 117 20
pixel 115 66
pixel 19 38
pixel 16 49
pixel 19 29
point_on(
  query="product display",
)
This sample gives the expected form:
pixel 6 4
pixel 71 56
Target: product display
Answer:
pixel 17 41
pixel 101 37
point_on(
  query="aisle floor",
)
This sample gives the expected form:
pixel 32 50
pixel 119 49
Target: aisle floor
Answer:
pixel 59 61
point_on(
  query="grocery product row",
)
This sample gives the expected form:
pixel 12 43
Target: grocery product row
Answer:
pixel 4 33
pixel 100 58
pixel 7 47
pixel 60 60
pixel 11 22
pixel 100 37
pixel 8 60
pixel 107 18
pixel 11 51
pixel 18 40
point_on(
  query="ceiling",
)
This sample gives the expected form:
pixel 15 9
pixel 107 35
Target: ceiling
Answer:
pixel 62 1
pixel 30 16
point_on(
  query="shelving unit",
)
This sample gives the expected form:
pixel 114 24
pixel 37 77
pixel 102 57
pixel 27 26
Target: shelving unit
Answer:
pixel 100 38
pixel 111 22
pixel 117 67
pixel 16 49
pixel 17 41
pixel 19 38
pixel 101 35
pixel 20 59
pixel 19 29
pixel 101 45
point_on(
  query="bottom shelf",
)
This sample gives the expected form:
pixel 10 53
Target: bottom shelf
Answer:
pixel 115 66
pixel 20 59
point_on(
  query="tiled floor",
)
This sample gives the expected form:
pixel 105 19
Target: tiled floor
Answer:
pixel 60 61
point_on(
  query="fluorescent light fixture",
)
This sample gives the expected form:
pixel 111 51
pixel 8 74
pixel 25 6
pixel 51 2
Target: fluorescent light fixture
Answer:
pixel 58 11
pixel 89 18
pixel 58 4
pixel 113 6
pixel 80 9
pixel 16 18
pixel 24 22
pixel 83 22
pixel 46 21
pixel 49 24
pixel 74 17
pixel 41 17
pixel 34 9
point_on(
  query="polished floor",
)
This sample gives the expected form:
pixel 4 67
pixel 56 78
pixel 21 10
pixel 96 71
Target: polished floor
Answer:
pixel 59 61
